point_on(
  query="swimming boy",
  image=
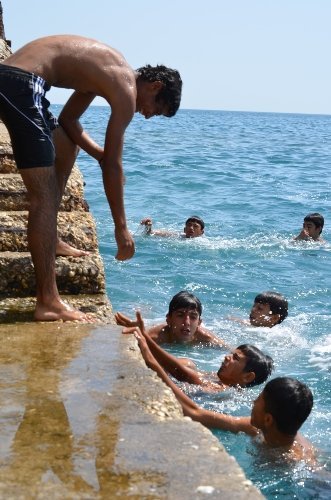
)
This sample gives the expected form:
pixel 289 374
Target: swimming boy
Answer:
pixel 269 309
pixel 277 414
pixel 245 366
pixel 194 227
pixel 312 228
pixel 183 323
pixel 45 153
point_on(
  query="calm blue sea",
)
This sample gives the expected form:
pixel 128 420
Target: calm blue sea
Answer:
pixel 252 177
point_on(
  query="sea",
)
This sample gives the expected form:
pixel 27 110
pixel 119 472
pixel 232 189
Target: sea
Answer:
pixel 252 177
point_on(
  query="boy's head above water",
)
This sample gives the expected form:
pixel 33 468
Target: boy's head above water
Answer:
pixel 313 224
pixel 284 404
pixel 245 366
pixel 184 316
pixel 194 227
pixel 269 309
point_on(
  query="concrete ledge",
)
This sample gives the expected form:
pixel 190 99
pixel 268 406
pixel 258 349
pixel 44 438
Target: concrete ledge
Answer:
pixel 21 309
pixel 89 420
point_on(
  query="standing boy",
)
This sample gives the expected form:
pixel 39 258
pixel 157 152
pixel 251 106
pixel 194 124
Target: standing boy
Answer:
pixel 45 153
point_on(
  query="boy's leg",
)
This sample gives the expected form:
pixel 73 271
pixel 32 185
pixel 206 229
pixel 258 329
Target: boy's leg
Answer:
pixel 65 155
pixel 43 193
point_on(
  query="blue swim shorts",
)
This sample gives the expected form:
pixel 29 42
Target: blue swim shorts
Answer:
pixel 24 111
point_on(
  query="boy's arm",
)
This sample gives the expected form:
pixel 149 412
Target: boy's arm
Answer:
pixel 169 362
pixel 206 417
pixel 148 223
pixel 110 158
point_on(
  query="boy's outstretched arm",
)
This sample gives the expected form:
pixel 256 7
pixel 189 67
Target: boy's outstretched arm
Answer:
pixel 169 362
pixel 190 409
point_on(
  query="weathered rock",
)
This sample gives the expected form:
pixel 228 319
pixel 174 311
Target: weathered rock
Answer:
pixel 76 228
pixel 79 275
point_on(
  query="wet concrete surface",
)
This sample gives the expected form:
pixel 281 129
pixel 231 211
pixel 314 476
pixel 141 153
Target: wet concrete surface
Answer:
pixel 82 417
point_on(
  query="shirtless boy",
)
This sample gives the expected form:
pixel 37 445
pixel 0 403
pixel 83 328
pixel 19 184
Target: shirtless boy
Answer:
pixel 277 414
pixel 245 366
pixel 194 227
pixel 45 153
pixel 312 228
pixel 183 323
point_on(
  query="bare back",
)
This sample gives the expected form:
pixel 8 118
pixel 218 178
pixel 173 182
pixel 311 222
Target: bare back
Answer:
pixel 78 63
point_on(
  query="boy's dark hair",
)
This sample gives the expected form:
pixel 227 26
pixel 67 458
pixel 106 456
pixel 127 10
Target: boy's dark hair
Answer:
pixel 171 92
pixel 185 300
pixel 195 218
pixel 258 362
pixel 316 219
pixel 277 302
pixel 289 402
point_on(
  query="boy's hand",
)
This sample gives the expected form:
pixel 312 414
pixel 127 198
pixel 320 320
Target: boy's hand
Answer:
pixel 123 320
pixel 146 222
pixel 125 244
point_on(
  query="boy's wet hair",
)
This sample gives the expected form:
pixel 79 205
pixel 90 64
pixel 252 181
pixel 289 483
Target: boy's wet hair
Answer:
pixel 195 218
pixel 258 362
pixel 289 402
pixel 171 92
pixel 277 302
pixel 185 300
pixel 316 219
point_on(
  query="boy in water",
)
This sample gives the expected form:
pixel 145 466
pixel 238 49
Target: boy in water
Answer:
pixel 183 323
pixel 194 227
pixel 277 414
pixel 245 366
pixel 269 309
pixel 312 228
pixel 45 153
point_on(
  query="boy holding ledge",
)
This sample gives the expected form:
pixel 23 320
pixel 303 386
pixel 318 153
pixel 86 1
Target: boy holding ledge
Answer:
pixel 277 414
pixel 183 323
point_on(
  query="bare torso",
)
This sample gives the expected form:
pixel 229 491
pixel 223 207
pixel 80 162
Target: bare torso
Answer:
pixel 75 62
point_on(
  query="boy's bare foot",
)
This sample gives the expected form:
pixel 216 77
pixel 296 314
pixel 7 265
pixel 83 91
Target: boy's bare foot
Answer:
pixel 60 311
pixel 66 250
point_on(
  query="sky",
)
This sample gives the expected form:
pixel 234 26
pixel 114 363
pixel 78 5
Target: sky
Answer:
pixel 237 55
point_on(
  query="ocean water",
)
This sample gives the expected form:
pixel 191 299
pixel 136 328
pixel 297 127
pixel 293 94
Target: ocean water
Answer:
pixel 252 177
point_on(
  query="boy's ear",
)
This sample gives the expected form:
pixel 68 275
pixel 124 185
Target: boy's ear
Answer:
pixel 275 319
pixel 268 420
pixel 248 377
pixel 157 85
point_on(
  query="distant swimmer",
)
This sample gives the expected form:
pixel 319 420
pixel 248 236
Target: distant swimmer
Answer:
pixel 269 309
pixel 245 366
pixel 277 414
pixel 312 228
pixel 183 323
pixel 194 227
pixel 45 152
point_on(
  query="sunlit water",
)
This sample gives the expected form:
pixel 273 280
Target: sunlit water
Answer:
pixel 252 177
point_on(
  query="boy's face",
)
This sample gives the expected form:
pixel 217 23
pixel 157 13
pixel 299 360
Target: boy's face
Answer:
pixel 146 103
pixel 261 315
pixel 183 324
pixel 231 371
pixel 312 230
pixel 192 229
